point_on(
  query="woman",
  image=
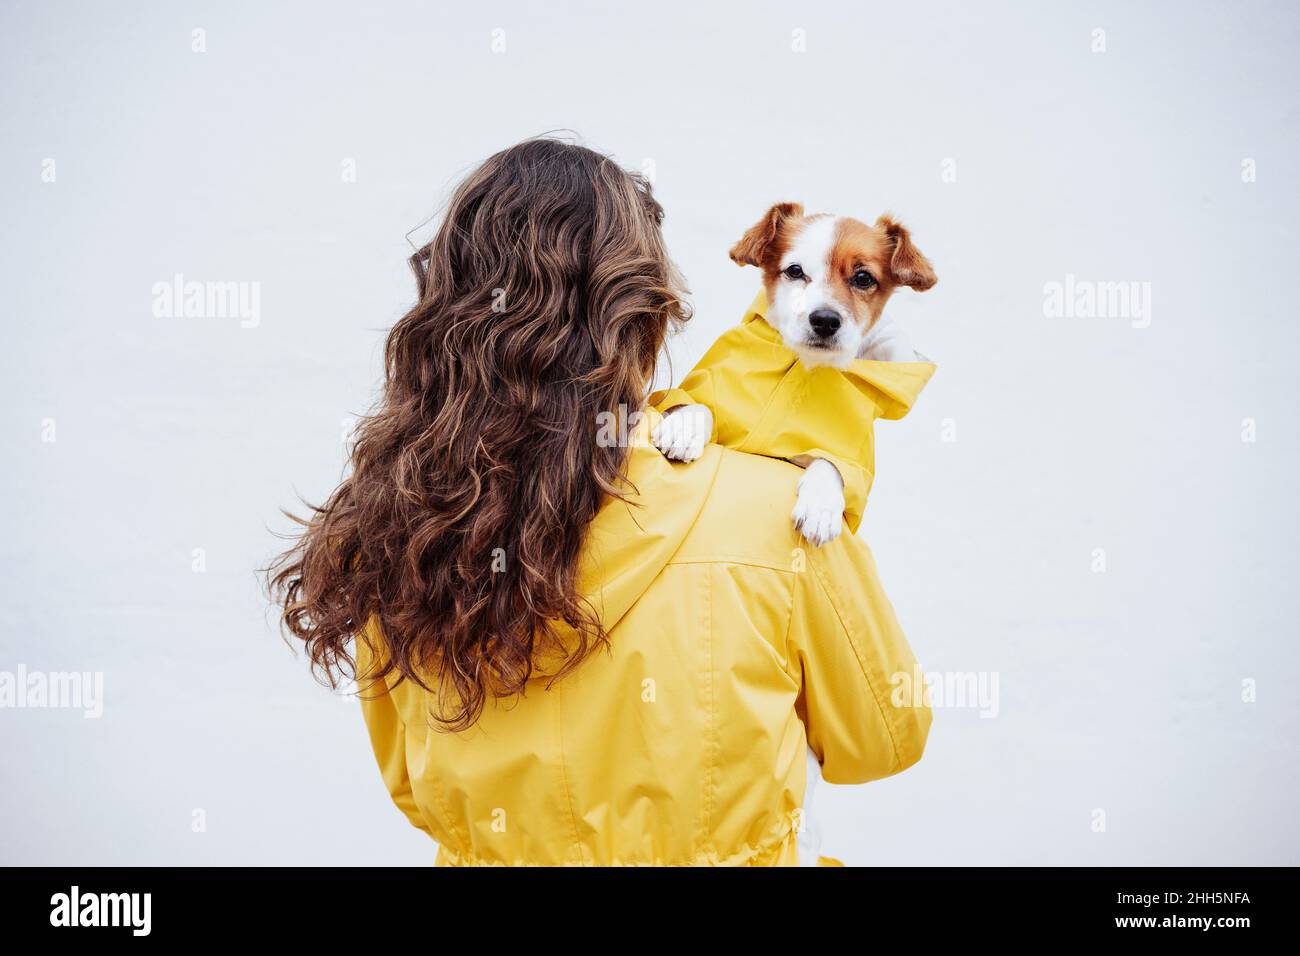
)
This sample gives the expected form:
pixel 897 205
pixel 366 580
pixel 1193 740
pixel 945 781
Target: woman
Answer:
pixel 571 651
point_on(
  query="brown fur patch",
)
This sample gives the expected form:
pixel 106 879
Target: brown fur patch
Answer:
pixel 765 242
pixel 861 247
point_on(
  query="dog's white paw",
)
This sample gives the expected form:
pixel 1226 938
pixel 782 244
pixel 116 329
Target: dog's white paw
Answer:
pixel 819 508
pixel 683 432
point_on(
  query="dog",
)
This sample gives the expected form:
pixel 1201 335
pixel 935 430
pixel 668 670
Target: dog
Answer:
pixel 827 279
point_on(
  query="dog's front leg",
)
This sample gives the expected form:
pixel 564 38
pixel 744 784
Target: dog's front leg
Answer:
pixel 819 508
pixel 683 432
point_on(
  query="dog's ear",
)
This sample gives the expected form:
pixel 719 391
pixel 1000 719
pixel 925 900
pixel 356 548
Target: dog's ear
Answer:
pixel 753 246
pixel 907 265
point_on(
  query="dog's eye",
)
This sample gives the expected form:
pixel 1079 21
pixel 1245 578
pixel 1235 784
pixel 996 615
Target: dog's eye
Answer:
pixel 862 279
pixel 794 271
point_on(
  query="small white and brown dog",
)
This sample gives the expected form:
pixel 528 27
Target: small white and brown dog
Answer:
pixel 827 279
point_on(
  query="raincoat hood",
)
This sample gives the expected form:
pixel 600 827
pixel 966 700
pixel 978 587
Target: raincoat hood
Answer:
pixel 629 541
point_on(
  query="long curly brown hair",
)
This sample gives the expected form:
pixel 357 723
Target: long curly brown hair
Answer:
pixel 544 299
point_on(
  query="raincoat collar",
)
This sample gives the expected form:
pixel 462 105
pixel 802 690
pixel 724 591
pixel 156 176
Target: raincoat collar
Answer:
pixel 896 384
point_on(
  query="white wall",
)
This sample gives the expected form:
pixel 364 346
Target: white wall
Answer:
pixel 1119 691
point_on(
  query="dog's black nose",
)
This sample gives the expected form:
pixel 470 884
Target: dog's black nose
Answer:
pixel 824 322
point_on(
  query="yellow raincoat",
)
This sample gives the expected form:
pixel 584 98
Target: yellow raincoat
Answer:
pixel 765 402
pixel 732 644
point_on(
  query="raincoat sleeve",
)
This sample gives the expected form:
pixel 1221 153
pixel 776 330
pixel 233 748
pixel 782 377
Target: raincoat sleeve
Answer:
pixel 862 700
pixel 388 741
